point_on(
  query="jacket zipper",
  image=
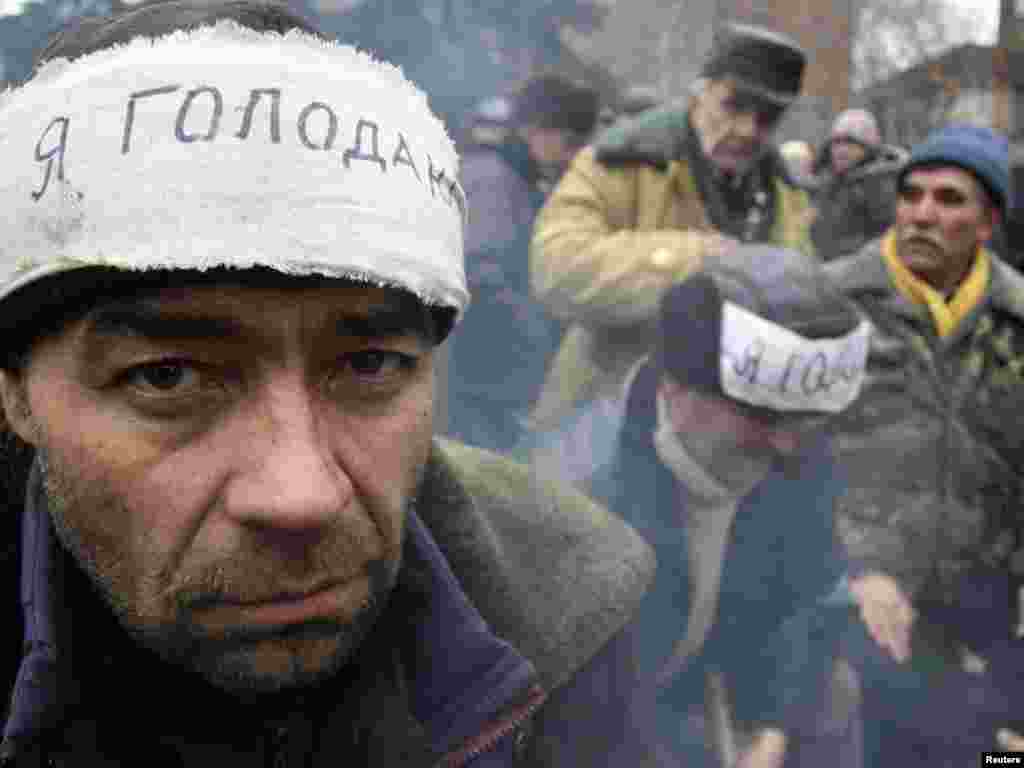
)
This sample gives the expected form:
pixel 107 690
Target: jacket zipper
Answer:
pixel 494 733
pixel 280 739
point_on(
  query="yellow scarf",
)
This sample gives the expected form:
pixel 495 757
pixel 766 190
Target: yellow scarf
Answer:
pixel 947 315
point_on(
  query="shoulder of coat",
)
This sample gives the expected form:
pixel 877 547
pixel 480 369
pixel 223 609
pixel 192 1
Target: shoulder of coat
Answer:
pixel 556 573
pixel 655 137
pixel 1007 289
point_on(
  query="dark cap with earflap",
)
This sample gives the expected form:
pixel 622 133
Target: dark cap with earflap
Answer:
pixel 764 63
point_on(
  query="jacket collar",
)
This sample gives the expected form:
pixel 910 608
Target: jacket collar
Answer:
pixel 661 135
pixel 864 275
pixel 462 677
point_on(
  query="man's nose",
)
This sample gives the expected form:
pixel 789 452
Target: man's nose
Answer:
pixel 288 479
pixel 923 211
pixel 785 441
pixel 747 124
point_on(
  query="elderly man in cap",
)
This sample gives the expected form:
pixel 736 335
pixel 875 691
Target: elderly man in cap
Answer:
pixel 229 537
pixel 723 466
pixel 640 209
pixel 933 450
pixel 856 175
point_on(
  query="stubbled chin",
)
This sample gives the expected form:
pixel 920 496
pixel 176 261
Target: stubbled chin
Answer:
pixel 734 163
pixel 919 256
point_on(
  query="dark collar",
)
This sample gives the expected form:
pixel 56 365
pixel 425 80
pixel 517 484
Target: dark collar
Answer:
pixel 743 208
pixel 431 649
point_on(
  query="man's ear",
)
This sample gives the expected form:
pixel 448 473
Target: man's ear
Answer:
pixel 994 217
pixel 17 413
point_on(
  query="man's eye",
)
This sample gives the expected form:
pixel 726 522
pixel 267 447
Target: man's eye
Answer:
pixel 380 363
pixel 910 194
pixel 950 197
pixel 163 377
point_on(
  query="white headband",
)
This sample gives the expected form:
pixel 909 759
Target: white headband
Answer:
pixel 769 366
pixel 230 147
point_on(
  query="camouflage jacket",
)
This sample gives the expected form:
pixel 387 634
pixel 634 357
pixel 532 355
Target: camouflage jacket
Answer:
pixel 934 447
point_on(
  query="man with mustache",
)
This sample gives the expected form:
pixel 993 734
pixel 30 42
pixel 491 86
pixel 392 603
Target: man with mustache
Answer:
pixel 654 196
pixel 231 248
pixel 933 454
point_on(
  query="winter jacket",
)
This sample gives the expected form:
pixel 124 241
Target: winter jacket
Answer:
pixel 505 643
pixel 626 221
pixel 498 356
pixel 856 206
pixel 934 447
pixel 774 637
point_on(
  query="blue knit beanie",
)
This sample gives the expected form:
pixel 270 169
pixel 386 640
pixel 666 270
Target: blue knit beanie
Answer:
pixel 983 152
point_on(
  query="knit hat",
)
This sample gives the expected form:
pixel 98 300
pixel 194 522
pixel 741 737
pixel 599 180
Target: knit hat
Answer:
pixel 304 156
pixel 857 125
pixel 765 330
pixel 554 102
pixel 764 63
pixel 983 152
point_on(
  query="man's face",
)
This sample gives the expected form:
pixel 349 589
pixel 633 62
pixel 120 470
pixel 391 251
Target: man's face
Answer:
pixel 942 216
pixel 726 441
pixel 552 149
pixel 232 465
pixel 732 126
pixel 845 155
pixel 717 419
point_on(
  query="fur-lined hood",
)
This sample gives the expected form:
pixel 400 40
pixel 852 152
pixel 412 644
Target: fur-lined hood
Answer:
pixel 660 135
pixel 880 159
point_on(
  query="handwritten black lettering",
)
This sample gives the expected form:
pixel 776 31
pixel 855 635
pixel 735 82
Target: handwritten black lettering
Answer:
pixel 129 117
pixel 403 156
pixel 53 154
pixel 748 366
pixel 357 152
pixel 439 182
pixel 848 365
pixel 255 96
pixel 332 125
pixel 792 361
pixel 815 378
pixel 455 195
pixel 218 109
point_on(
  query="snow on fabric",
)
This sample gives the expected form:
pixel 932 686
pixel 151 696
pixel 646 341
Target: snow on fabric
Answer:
pixel 229 147
pixel 769 366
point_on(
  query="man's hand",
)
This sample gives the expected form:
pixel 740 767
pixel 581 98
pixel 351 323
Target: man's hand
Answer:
pixel 768 750
pixel 1010 741
pixel 886 611
pixel 717 247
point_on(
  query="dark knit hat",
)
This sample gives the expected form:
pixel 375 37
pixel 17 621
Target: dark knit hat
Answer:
pixel 981 151
pixel 551 101
pixel 764 63
pixel 765 329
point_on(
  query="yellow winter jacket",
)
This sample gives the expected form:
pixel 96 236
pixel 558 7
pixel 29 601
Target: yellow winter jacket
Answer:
pixel 609 241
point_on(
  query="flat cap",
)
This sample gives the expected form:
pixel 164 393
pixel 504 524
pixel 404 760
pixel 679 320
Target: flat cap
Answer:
pixel 765 63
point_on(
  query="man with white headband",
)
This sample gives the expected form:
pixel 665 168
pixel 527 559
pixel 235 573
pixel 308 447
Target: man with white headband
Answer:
pixel 230 247
pixel 723 467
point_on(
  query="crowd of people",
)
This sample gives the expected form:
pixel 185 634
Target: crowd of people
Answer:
pixel 731 465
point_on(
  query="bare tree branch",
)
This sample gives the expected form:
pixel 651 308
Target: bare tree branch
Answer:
pixel 893 35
